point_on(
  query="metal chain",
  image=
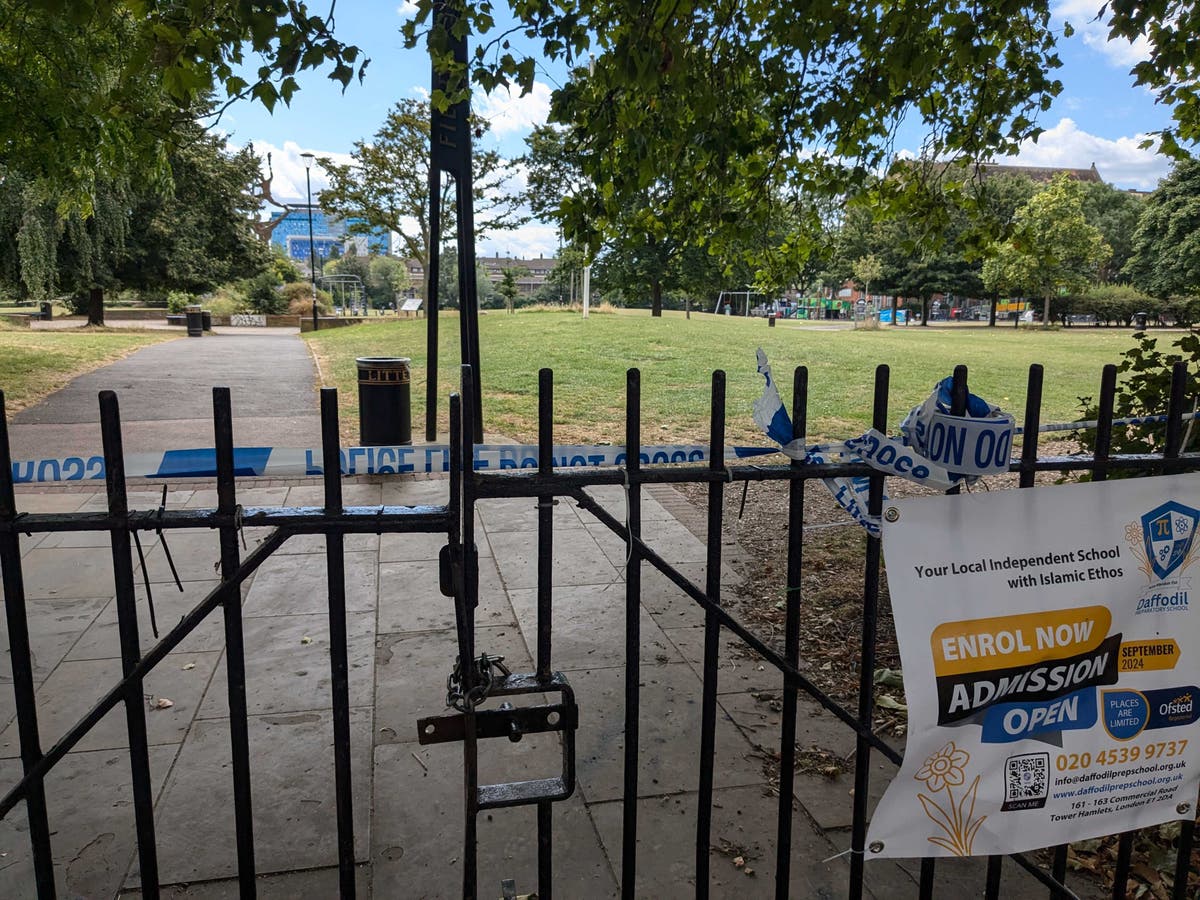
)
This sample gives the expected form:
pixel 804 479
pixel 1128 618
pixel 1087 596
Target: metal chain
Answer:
pixel 486 668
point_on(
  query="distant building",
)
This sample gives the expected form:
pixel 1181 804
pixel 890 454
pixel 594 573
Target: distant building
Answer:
pixel 290 232
pixel 1040 174
pixel 531 273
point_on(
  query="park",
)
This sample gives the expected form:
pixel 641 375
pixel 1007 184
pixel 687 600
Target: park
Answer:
pixel 570 475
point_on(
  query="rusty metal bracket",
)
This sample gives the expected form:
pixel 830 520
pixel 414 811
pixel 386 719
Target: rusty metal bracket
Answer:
pixel 514 723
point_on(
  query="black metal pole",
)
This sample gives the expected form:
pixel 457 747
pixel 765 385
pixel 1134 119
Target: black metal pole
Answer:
pixel 431 302
pixel 545 589
pixel 866 683
pixel 21 657
pixel 312 247
pixel 335 565
pixel 633 638
pixel 791 651
pixel 712 636
pixel 235 651
pixel 131 652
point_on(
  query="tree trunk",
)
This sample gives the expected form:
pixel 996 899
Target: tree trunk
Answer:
pixel 96 306
pixel 924 311
pixel 656 298
pixel 1046 312
pixel 992 310
pixel 895 311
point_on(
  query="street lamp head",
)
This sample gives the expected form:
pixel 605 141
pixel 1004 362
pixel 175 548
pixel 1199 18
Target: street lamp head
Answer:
pixel 308 160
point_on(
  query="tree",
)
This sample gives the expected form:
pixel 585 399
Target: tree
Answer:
pixel 1115 213
pixel 1165 257
pixel 92 92
pixel 386 279
pixel 867 269
pixel 189 233
pixel 197 234
pixel 509 289
pixel 386 186
pixel 1052 248
pixel 722 109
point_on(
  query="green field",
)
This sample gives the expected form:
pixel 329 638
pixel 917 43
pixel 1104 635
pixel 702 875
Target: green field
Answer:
pixel 36 363
pixel 677 356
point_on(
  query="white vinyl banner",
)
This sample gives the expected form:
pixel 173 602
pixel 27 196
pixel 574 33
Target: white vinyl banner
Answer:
pixel 1051 662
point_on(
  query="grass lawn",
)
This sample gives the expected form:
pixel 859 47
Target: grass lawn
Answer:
pixel 677 356
pixel 36 363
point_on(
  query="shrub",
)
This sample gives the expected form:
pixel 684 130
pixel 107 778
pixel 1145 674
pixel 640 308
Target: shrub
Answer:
pixel 1144 390
pixel 298 296
pixel 177 300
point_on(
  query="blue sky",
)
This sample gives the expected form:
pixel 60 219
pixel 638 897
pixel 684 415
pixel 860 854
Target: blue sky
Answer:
pixel 1099 117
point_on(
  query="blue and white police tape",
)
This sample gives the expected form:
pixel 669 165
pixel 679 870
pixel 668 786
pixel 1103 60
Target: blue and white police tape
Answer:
pixel 291 463
pixel 935 449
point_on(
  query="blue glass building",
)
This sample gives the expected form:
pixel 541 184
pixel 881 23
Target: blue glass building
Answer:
pixel 291 234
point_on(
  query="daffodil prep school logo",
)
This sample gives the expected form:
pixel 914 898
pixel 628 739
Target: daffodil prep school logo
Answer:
pixel 1163 542
pixel 1166 542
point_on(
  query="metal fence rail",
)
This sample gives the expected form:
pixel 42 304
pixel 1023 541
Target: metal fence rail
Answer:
pixel 333 520
pixel 567 483
pixel 475 676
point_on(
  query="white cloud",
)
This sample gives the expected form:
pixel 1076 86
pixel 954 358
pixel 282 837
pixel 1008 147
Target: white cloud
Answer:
pixel 1121 162
pixel 288 167
pixel 1093 31
pixel 508 112
pixel 531 240
pixel 407 9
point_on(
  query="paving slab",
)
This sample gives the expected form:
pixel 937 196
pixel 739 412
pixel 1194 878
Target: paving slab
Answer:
pixel 295 826
pixel 90 801
pixel 410 598
pixel 298 585
pixel 54 627
pixel 669 742
pixel 75 687
pixel 588 627
pixel 577 558
pixel 102 640
pixel 287 665
pixel 421 857
pixel 743 824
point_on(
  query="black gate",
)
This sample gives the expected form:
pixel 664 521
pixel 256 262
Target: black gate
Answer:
pixel 477 676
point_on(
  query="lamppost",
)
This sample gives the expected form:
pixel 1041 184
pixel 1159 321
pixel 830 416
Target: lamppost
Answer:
pixel 312 247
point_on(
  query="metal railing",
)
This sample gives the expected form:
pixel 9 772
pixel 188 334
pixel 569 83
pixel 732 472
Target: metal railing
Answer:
pixel 476 677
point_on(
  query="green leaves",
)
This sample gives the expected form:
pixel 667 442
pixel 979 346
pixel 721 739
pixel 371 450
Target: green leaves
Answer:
pixel 108 79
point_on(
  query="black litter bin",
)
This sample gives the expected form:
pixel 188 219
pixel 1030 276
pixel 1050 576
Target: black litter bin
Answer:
pixel 206 320
pixel 1139 320
pixel 195 321
pixel 384 401
pixel 47 311
pixel 770 320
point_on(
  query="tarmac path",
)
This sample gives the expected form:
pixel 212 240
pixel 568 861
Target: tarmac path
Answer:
pixel 165 394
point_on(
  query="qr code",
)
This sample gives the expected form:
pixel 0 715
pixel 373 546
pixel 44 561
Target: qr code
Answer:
pixel 1026 781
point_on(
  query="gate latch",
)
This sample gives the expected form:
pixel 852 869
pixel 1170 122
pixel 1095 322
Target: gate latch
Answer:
pixel 514 722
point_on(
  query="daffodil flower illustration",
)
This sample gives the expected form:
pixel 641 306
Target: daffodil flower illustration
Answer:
pixel 943 770
pixel 944 767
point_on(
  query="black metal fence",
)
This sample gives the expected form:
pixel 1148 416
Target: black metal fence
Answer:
pixel 477 677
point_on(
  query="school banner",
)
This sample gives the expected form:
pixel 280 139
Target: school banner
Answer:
pixel 1051 662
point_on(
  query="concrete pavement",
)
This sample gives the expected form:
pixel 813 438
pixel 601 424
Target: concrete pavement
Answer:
pixel 165 392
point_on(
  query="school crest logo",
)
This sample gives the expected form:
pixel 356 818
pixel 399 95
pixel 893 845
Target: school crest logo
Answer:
pixel 1165 540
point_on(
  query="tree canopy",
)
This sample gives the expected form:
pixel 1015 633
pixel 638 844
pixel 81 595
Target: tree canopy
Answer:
pixel 93 90
pixel 1165 257
pixel 386 186
pixel 1052 248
